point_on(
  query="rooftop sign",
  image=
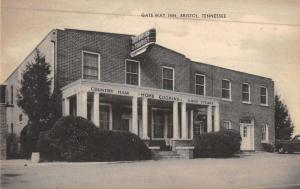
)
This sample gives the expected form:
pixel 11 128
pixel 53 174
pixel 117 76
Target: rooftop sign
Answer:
pixel 140 43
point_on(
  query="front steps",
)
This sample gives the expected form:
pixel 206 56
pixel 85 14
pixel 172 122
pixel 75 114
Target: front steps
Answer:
pixel 161 155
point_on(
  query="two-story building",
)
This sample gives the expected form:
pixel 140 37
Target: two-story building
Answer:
pixel 126 82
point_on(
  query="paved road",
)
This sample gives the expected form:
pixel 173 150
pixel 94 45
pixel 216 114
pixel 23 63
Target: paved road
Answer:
pixel 250 170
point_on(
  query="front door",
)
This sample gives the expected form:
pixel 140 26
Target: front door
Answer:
pixel 247 135
pixel 105 116
pixel 200 124
pixel 158 123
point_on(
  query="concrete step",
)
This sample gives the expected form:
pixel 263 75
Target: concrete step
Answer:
pixel 159 155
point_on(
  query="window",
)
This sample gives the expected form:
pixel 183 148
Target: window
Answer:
pixel 226 89
pixel 91 65
pixel 263 96
pixel 20 117
pixel 246 92
pixel 132 72
pixel 226 125
pixel 11 94
pixel 264 133
pixel 12 128
pixel 168 78
pixel 200 84
pixel 245 132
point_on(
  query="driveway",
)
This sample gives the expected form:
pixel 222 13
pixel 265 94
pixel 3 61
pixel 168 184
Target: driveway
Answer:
pixel 249 170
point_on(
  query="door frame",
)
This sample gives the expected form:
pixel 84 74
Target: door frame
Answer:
pixel 250 127
pixel 110 114
pixel 165 129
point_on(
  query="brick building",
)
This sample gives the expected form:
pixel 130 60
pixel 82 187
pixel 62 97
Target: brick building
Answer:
pixel 130 83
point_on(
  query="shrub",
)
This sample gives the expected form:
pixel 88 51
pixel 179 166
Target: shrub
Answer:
pixel 28 139
pixel 77 139
pixel 217 144
pixel 12 146
pixel 268 147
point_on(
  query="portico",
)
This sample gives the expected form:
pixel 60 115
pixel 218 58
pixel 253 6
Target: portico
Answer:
pixel 152 114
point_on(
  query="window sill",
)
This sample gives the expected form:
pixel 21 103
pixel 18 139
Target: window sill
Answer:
pixel 245 102
pixel 264 141
pixel 265 105
pixel 227 99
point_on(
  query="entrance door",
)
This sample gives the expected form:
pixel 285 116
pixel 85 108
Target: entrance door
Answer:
pixel 200 124
pixel 246 131
pixel 105 117
pixel 158 122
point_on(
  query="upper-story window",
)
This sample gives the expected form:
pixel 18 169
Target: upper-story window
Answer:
pixel 168 78
pixel 200 84
pixel 246 93
pixel 226 89
pixel 132 72
pixel 263 95
pixel 11 94
pixel 91 65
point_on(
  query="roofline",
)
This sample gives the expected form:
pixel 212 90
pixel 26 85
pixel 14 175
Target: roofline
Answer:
pixel 170 50
pixel 128 35
pixel 91 31
pixel 32 51
pixel 194 62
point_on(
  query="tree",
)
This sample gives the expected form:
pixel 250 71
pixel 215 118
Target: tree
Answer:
pixel 283 124
pixel 34 96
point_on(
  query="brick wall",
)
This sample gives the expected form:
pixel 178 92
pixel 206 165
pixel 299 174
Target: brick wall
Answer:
pixel 151 68
pixel 3 131
pixel 113 50
pixel 235 110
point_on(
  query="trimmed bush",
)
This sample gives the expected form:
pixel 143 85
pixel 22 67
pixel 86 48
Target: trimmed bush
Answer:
pixel 268 147
pixel 28 138
pixel 217 144
pixel 12 146
pixel 77 139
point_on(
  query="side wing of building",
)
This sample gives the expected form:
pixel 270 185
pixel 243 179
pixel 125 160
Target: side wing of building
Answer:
pixel 16 119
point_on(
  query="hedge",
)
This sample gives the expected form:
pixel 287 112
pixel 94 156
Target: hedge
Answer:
pixel 217 144
pixel 267 147
pixel 77 139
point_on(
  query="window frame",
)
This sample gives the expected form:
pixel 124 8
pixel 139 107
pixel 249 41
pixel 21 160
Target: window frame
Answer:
pixel 82 63
pixel 265 128
pixel 249 92
pixel 260 95
pixel 162 77
pixel 11 94
pixel 226 99
pixel 139 72
pixel 204 85
pixel 227 121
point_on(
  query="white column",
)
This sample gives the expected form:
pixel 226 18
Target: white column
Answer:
pixel 165 125
pixel 209 118
pixel 96 110
pixel 110 118
pixel 134 116
pixel 184 133
pixel 217 118
pixel 175 120
pixel 66 107
pixel 192 124
pixel 78 104
pixel 145 118
pixel 84 104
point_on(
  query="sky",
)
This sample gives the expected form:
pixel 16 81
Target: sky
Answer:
pixel 257 37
